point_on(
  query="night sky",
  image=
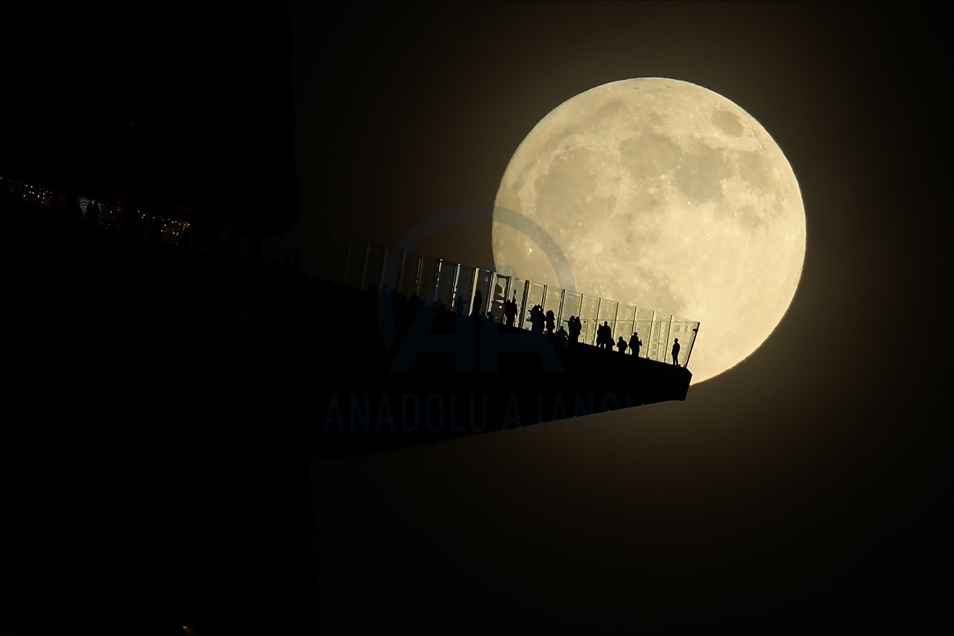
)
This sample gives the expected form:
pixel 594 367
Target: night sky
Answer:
pixel 806 484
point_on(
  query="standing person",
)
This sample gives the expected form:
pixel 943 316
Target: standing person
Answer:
pixel 510 310
pixel 675 352
pixel 536 319
pixel 576 328
pixel 621 345
pixel 635 343
pixel 604 338
pixel 550 321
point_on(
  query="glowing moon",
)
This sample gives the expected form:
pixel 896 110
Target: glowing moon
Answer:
pixel 667 196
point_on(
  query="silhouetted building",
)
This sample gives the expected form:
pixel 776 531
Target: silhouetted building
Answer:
pixel 189 107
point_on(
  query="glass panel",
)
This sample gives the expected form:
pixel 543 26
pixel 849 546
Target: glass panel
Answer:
pixel 658 338
pixel 393 264
pixel 589 307
pixel 625 321
pixel 534 298
pixel 643 329
pixel 670 339
pixel 519 292
pixel 427 285
pixel 571 307
pixel 465 287
pixel 607 314
pixel 485 287
pixel 684 331
pixel 500 285
pixel 552 303
pixel 691 339
pixel 357 258
pixel 407 284
pixel 377 255
pixel 445 285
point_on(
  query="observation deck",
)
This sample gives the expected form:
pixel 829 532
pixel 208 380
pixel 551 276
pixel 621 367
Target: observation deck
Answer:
pixel 349 347
pixel 480 374
pixel 362 265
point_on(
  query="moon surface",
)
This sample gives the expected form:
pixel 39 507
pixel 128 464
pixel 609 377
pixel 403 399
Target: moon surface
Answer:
pixel 667 196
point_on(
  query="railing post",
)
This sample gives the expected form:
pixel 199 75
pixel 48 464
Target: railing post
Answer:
pixel 666 352
pixel 653 337
pixel 364 266
pixel 523 303
pixel 417 276
pixel 599 305
pixel 344 278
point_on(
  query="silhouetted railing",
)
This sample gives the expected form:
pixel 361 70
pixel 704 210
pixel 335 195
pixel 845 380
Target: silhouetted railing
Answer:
pixel 363 265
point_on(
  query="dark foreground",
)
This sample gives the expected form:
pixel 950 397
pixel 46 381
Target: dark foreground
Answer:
pixel 164 402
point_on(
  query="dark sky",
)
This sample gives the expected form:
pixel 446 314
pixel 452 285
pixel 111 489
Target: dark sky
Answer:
pixel 806 483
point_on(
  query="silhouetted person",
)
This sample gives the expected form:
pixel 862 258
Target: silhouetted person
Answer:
pixel 604 337
pixel 478 303
pixel 635 343
pixel 536 319
pixel 510 311
pixel 621 345
pixel 675 352
pixel 563 336
pixel 460 304
pixel 576 328
pixel 550 321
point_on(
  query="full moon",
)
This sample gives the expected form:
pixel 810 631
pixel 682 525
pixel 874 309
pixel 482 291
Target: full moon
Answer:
pixel 667 196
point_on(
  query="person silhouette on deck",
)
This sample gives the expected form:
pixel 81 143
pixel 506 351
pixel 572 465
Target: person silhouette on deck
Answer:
pixel 550 321
pixel 576 328
pixel 536 320
pixel 635 343
pixel 621 345
pixel 478 303
pixel 604 337
pixel 675 352
pixel 510 311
